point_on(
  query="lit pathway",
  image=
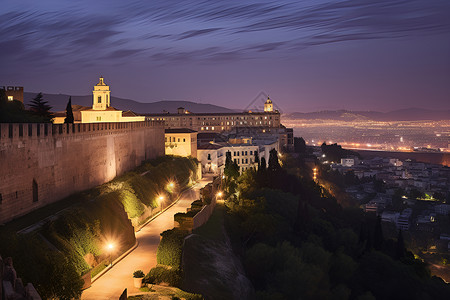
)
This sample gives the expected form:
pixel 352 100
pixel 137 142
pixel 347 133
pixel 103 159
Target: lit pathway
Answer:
pixel 112 284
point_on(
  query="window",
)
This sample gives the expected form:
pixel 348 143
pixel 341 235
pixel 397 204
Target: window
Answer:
pixel 251 152
pixel 99 99
pixel 237 153
pixel 10 98
pixel 235 160
pixel 209 156
pixel 165 139
pixel 246 153
pixel 246 160
pixel 99 118
pixel 178 140
pixel 242 153
pixel 35 191
pixel 184 140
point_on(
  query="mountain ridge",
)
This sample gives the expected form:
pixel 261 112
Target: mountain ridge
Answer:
pixel 407 114
pixel 59 102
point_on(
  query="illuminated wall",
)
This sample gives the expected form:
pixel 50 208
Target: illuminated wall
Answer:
pixel 43 163
pixel 182 144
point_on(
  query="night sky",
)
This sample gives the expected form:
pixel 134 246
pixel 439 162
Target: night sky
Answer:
pixel 314 55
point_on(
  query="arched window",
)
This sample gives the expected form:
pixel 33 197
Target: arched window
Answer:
pixel 99 99
pixel 209 156
pixel 35 191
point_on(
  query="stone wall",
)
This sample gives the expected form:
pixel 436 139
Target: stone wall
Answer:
pixel 43 163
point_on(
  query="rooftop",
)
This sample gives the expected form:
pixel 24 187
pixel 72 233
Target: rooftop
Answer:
pixel 179 130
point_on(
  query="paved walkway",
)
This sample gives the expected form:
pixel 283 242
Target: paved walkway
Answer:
pixel 112 284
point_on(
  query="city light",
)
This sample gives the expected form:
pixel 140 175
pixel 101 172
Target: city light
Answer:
pixel 171 184
pixel 315 174
pixel 219 194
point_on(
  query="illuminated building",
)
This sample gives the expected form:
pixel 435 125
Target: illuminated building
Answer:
pixel 101 110
pixel 181 141
pixel 267 122
pixel 13 92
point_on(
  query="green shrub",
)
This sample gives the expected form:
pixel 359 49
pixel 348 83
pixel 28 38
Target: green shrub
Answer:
pixel 170 248
pixel 160 274
pixel 138 274
pixel 197 204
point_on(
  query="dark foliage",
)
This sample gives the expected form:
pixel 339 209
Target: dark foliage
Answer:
pixel 299 145
pixel 297 242
pixel 334 152
pixel 40 108
pixel 69 113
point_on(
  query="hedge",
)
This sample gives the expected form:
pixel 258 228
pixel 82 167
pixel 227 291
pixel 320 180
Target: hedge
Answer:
pixel 160 274
pixel 170 248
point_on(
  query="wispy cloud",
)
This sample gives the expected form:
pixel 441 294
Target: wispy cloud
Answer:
pixel 184 29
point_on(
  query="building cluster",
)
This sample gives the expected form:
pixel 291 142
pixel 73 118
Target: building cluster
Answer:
pixel 101 110
pixel 421 187
pixel 407 175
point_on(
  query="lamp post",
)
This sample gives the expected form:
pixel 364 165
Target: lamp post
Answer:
pixel 161 200
pixel 110 248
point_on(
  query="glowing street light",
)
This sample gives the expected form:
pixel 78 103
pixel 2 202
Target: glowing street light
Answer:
pixel 110 249
pixel 219 194
pixel 171 184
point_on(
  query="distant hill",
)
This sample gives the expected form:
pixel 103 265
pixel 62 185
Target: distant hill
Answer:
pixel 410 114
pixel 59 102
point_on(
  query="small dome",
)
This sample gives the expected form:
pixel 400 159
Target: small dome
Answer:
pixel 101 81
pixel 268 101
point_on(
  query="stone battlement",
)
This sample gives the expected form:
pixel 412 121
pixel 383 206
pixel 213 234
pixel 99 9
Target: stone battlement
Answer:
pixel 43 130
pixel 42 162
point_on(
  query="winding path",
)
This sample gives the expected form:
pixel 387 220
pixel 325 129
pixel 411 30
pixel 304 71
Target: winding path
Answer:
pixel 112 283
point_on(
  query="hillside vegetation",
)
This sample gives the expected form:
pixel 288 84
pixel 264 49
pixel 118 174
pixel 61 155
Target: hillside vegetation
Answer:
pixel 297 242
pixel 55 257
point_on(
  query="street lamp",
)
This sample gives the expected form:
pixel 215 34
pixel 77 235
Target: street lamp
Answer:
pixel 110 248
pixel 161 200
pixel 219 194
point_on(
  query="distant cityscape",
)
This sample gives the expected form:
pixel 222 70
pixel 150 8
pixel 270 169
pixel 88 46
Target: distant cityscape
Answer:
pixel 428 136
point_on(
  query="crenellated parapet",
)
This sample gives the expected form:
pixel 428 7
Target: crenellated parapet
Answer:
pixel 44 130
pixel 42 163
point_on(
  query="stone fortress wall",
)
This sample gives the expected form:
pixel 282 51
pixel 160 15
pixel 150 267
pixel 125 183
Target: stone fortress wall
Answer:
pixel 43 163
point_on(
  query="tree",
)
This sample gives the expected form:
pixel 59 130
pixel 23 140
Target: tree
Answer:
pixel 257 158
pixel 378 238
pixel 299 145
pixel 69 113
pixel 400 249
pixel 231 169
pixel 40 108
pixel 274 164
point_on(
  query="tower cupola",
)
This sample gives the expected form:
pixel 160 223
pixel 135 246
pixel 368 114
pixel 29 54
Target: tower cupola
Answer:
pixel 268 106
pixel 101 95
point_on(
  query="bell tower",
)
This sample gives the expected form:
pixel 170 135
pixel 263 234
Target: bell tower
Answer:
pixel 268 106
pixel 101 95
